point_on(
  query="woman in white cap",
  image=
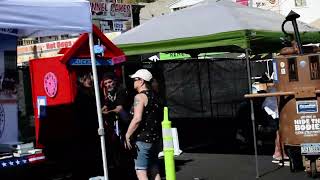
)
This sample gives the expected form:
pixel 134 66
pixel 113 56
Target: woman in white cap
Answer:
pixel 145 127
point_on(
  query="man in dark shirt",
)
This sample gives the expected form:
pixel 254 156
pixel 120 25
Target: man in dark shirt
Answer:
pixel 116 120
pixel 114 103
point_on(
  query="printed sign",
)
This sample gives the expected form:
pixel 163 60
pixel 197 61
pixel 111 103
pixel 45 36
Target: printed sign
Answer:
pixel 110 11
pixel 307 107
pixel 310 148
pixel 41 104
pixel 87 62
pixel 307 125
pixel 118 26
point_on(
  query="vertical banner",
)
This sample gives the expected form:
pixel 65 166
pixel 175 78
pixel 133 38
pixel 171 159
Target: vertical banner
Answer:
pixel 8 123
pixel 8 90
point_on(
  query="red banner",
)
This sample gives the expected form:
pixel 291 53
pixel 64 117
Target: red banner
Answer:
pixel 243 2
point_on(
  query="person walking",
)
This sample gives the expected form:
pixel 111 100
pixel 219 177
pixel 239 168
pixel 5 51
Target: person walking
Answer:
pixel 144 132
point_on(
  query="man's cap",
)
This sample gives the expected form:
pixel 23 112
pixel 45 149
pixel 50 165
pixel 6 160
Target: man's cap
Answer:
pixel 143 74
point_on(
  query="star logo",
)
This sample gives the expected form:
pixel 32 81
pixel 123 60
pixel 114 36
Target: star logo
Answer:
pixel 4 164
pixel 11 163
pixel 24 161
pixel 17 162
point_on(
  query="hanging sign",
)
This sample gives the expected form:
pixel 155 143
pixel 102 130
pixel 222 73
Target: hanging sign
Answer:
pixel 307 107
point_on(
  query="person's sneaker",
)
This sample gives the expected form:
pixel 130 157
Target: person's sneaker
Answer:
pixel 285 163
pixel 276 160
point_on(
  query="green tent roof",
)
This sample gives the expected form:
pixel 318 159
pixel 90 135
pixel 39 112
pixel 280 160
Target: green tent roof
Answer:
pixel 212 26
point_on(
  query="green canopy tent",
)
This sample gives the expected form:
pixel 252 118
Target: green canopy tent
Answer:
pixel 212 26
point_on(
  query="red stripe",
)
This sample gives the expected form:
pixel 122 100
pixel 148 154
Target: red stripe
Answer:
pixel 36 158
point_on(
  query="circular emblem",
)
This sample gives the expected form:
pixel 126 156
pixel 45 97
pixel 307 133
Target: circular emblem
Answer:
pixel 2 120
pixel 50 84
pixel 282 64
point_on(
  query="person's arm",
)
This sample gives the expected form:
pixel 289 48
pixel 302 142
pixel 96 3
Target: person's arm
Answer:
pixel 118 109
pixel 140 101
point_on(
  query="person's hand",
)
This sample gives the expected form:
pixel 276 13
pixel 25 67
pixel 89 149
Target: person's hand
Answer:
pixel 127 143
pixel 105 112
pixel 104 108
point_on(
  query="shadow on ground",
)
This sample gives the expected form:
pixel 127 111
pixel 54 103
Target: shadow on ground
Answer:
pixel 220 136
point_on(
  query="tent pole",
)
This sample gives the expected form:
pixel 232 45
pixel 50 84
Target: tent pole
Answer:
pixel 97 95
pixel 252 113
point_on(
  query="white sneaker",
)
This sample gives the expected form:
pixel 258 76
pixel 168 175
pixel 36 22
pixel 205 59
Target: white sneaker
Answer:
pixel 285 163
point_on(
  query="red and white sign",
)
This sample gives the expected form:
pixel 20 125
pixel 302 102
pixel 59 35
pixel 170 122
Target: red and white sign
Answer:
pixel 243 2
pixel 49 49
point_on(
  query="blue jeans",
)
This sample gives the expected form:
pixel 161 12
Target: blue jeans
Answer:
pixel 147 155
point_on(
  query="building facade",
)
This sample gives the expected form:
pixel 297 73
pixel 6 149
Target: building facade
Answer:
pixel 111 16
pixel 308 9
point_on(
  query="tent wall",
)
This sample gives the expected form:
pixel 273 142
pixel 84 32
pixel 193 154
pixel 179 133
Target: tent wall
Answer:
pixel 210 88
pixel 204 89
pixel 206 97
pixel 206 102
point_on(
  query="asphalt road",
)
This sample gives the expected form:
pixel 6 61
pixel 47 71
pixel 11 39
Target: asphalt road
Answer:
pixel 203 166
pixel 191 166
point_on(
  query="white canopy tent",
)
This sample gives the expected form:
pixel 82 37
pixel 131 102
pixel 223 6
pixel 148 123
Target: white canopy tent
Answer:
pixel 33 18
pixel 45 17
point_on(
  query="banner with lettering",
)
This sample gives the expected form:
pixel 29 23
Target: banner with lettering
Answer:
pixel 110 11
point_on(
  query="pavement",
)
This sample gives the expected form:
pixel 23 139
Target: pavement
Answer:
pixel 189 166
pixel 203 166
pixel 210 154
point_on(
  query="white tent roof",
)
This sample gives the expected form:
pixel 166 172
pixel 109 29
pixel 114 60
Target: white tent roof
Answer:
pixel 45 17
pixel 208 17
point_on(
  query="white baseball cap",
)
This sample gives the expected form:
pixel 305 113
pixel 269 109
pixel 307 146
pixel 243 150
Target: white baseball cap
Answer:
pixel 143 74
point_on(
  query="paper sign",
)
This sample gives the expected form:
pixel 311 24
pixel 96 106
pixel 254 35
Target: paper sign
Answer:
pixel 41 104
